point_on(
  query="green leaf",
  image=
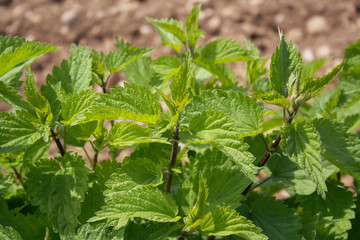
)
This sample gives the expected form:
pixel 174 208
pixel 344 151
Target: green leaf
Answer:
pixel 16 55
pixel 192 29
pixel 32 94
pixel 255 68
pixel 74 75
pixel 76 105
pixel 125 134
pixel 180 86
pixel 276 220
pixel 199 210
pixel 222 51
pixel 168 101
pixel 315 87
pixel 246 113
pixel 289 174
pixel 337 209
pixel 214 127
pixel 143 171
pixel 29 226
pixel 285 66
pixel 273 97
pixel 171 32
pixel 349 78
pixel 224 73
pixel 292 177
pixel 10 96
pixel 101 231
pixel 225 221
pixel 301 143
pixel 7 233
pixel 17 131
pixel 309 69
pixel 144 202
pixel 78 134
pixel 165 67
pixel 341 148
pixel 224 179
pixel 94 198
pixel 58 186
pixel 140 72
pixel 125 54
pixel 131 102
pixel 8 43
pixel 149 230
pixel 100 72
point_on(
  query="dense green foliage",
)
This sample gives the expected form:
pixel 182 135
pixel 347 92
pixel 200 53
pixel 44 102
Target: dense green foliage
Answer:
pixel 207 155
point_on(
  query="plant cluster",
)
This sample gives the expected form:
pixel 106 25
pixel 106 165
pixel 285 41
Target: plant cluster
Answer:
pixel 207 154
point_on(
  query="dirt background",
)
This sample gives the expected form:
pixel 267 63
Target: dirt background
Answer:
pixel 319 28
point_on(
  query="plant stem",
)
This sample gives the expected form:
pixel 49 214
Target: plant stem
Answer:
pixel 57 141
pixel 95 156
pixel 267 155
pixel 88 156
pixel 18 176
pixel 174 152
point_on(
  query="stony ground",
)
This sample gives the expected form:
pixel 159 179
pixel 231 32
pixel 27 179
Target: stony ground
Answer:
pixel 320 28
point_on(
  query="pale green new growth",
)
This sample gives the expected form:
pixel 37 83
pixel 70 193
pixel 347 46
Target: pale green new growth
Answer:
pixel 180 85
pixel 125 54
pixel 192 29
pixel 224 73
pixel 171 32
pixel 199 210
pixel 74 75
pixel 301 143
pixel 165 67
pixel 225 221
pixel 286 63
pixel 245 112
pixel 222 51
pixel 314 87
pixel 10 96
pixel 131 102
pixel 125 134
pixel 309 69
pixel 75 106
pixel 273 97
pixel 15 55
pixel 144 202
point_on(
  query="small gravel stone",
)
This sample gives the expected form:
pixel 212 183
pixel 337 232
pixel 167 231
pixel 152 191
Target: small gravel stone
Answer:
pixel 323 51
pixel 295 34
pixel 145 30
pixel 71 16
pixel 308 55
pixel 316 24
pixel 214 23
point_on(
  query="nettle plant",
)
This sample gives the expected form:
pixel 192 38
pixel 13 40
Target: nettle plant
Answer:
pixel 205 164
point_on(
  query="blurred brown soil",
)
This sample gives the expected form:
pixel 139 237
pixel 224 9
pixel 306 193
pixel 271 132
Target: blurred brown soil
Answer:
pixel 320 28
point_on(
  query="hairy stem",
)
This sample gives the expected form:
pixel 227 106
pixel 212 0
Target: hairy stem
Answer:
pixel 57 141
pixel 173 158
pixel 95 160
pixel 267 155
pixel 18 176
